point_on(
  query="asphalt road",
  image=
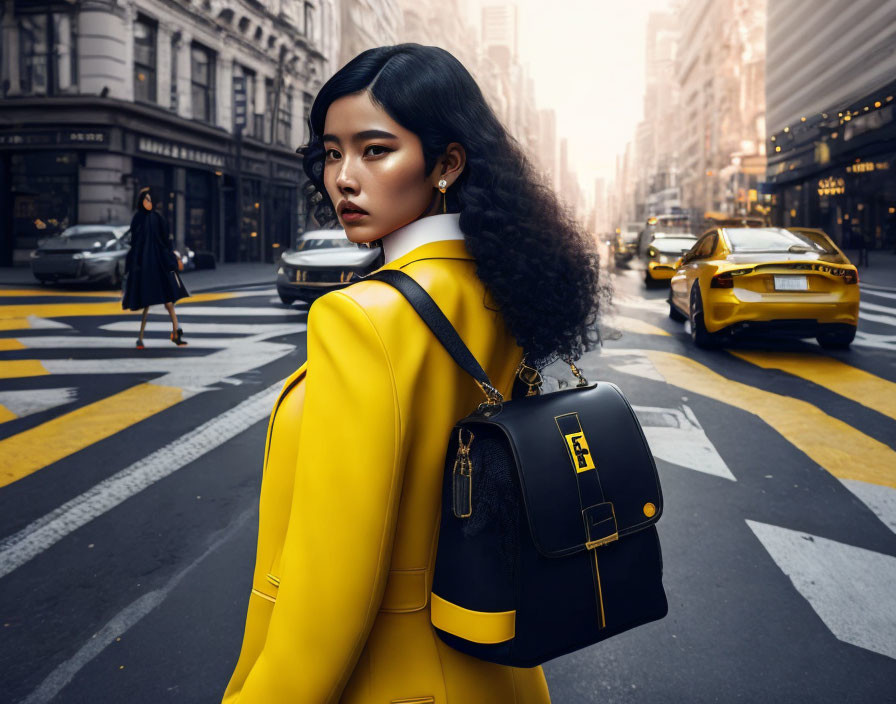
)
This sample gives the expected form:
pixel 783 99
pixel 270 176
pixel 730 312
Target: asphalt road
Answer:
pixel 129 484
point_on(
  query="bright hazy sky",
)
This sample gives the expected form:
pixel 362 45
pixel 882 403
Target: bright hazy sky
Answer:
pixel 587 61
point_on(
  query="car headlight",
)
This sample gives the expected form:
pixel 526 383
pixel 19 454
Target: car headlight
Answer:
pixel 664 259
pixel 36 253
pixel 281 270
pixel 96 256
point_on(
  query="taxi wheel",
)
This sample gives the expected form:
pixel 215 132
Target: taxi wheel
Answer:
pixel 649 281
pixel 840 340
pixel 287 300
pixel 699 334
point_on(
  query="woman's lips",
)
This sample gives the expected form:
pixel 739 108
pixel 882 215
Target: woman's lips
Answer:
pixel 352 215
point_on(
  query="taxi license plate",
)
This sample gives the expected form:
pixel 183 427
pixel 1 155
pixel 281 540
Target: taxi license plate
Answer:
pixel 791 283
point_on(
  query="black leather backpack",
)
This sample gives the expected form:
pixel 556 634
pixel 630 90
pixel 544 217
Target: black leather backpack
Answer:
pixel 547 540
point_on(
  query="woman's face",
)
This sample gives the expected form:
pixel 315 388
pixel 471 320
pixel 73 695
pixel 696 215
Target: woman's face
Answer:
pixel 147 202
pixel 378 166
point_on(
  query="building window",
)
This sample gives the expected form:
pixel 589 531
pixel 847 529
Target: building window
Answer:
pixel 309 20
pixel 175 53
pixel 145 32
pixel 284 119
pixel 47 53
pixel 250 128
pixel 269 98
pixel 202 79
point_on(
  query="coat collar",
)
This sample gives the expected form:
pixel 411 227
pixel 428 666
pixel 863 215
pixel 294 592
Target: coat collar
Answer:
pixel 432 228
pixel 441 249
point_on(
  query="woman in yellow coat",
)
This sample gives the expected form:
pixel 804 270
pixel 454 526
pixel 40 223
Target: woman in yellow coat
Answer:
pixel 407 153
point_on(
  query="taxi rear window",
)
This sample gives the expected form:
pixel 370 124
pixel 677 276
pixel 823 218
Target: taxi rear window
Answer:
pixel 744 239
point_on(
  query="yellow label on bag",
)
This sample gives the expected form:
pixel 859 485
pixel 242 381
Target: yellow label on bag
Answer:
pixel 578 449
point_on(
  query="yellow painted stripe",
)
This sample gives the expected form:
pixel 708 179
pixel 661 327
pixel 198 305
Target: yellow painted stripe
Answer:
pixel 871 391
pixel 6 414
pixel 8 343
pixel 635 325
pixel 64 310
pixel 27 292
pixel 34 449
pixel 14 324
pixel 476 626
pixel 842 450
pixel 16 368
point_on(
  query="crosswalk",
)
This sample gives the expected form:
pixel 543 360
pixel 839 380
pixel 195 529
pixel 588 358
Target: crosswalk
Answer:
pixel 226 341
pixel 849 586
pixel 783 449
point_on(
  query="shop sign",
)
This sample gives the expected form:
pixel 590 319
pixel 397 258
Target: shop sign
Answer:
pixel 864 167
pixel 831 186
pixel 158 147
pixel 68 137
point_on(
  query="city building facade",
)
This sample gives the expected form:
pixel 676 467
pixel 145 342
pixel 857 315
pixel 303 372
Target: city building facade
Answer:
pixel 720 71
pixel 203 100
pixel 832 119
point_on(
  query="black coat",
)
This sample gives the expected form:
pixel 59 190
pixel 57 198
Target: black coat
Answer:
pixel 151 265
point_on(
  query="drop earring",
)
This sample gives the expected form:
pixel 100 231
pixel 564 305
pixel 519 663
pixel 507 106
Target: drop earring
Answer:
pixel 443 186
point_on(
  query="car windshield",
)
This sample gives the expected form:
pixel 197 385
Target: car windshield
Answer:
pixel 776 239
pixel 673 244
pixel 306 245
pixel 89 239
pixel 673 230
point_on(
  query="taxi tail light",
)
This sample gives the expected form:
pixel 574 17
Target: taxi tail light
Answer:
pixel 722 281
pixel 850 277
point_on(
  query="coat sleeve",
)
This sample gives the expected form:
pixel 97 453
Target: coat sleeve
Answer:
pixel 338 545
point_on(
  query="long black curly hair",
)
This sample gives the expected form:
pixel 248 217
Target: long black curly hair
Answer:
pixel 537 263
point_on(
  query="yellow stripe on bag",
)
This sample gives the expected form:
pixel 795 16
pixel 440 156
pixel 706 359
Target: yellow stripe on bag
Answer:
pixel 475 626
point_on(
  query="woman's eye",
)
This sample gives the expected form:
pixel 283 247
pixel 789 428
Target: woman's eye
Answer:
pixel 331 154
pixel 380 150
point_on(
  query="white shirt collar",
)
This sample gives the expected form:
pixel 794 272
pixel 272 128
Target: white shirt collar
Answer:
pixel 432 228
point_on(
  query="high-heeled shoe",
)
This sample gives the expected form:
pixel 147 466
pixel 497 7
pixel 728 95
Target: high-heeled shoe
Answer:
pixel 139 343
pixel 177 338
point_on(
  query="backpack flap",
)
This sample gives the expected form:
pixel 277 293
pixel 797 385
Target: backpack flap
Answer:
pixel 586 471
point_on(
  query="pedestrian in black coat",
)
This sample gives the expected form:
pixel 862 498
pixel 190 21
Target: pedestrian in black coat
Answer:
pixel 151 267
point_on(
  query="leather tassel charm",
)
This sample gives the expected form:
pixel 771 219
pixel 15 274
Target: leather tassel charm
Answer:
pixel 463 477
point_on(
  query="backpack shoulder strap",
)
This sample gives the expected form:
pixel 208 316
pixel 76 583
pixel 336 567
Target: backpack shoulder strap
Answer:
pixel 441 327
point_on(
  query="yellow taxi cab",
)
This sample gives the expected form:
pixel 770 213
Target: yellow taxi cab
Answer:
pixel 664 255
pixel 789 281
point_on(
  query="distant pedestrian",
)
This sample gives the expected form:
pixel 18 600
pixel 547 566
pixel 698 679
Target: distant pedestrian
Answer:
pixel 151 267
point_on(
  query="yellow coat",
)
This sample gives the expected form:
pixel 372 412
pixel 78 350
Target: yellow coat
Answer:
pixel 351 496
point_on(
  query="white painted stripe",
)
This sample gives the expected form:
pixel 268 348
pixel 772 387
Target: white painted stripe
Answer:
pixel 865 306
pixel 881 342
pixel 207 328
pixel 675 435
pixel 124 620
pixel 850 588
pixel 24 403
pixel 73 342
pixel 190 374
pixel 882 294
pixel 37 323
pixel 875 318
pixel 864 286
pixel 633 362
pixel 46 531
pixel 653 305
pixel 880 499
pixel 189 311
